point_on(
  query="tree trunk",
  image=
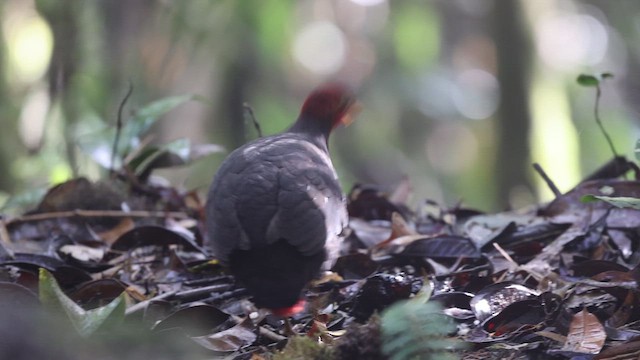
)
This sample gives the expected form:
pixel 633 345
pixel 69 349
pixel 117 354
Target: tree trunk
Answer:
pixel 513 53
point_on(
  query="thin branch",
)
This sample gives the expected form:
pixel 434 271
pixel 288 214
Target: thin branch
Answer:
pixel 271 335
pixel 202 292
pixel 249 112
pixel 5 238
pixel 596 111
pixel 505 255
pixel 143 304
pixel 547 179
pixel 119 124
pixel 97 213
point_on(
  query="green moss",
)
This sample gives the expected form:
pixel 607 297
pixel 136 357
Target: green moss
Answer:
pixel 304 348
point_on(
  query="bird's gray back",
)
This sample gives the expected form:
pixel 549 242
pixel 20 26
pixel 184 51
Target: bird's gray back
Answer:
pixel 279 187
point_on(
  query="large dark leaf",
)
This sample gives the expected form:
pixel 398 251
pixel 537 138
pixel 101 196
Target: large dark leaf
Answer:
pixel 443 247
pixel 196 320
pixel 86 322
pixel 494 298
pixel 97 293
pixel 15 297
pixel 66 275
pixel 152 236
pixel 355 266
pixel 233 339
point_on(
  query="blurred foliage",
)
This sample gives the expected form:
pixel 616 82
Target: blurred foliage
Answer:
pixel 86 322
pixel 416 36
pixel 427 73
pixel 304 347
pixel 427 338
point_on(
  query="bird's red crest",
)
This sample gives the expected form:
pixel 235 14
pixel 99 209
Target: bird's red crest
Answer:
pixel 329 102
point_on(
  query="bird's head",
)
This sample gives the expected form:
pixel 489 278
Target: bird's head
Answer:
pixel 332 103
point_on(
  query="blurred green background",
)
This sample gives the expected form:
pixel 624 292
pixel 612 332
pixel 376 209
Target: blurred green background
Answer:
pixel 460 96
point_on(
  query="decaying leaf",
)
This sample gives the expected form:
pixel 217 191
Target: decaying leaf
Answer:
pixel 233 339
pixel 586 334
pixel 86 322
pixel 82 252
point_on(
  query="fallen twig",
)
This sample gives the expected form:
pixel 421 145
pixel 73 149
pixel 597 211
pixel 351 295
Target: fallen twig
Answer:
pixel 547 179
pixel 199 292
pixel 116 140
pixel 143 304
pixel 97 213
pixel 249 111
pixel 4 234
pixel 271 335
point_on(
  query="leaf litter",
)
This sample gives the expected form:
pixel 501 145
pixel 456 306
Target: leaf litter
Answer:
pixel 559 279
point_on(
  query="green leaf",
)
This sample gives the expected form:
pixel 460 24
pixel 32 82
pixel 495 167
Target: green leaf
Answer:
pixel 588 198
pixel 588 80
pixel 414 329
pixel 617 201
pixel 593 80
pixel 99 144
pixel 26 199
pixel 149 114
pixel 176 153
pixel 86 322
pixel 416 35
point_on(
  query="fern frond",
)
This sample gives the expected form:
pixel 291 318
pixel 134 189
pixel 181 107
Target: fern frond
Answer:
pixel 417 330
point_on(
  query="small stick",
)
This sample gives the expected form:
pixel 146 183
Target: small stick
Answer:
pixel 288 327
pixel 114 151
pixel 5 238
pixel 514 265
pixel 504 254
pixel 202 292
pixel 4 233
pixel 249 111
pixel 596 112
pixel 263 331
pixel 96 213
pixel 547 179
pixel 143 304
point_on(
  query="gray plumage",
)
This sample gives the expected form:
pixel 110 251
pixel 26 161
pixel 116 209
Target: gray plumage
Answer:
pixel 275 210
pixel 278 187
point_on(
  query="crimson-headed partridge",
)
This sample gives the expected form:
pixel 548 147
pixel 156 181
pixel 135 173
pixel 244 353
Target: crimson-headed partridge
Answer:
pixel 275 209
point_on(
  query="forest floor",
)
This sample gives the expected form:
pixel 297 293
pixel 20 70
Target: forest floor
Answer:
pixel 82 277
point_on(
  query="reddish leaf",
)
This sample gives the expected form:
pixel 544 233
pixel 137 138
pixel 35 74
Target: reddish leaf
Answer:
pixel 586 334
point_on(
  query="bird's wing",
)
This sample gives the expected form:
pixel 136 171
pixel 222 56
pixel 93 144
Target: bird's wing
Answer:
pixel 311 205
pixel 241 201
pixel 277 188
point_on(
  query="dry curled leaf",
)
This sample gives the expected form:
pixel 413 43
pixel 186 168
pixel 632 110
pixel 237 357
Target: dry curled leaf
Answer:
pixel 233 339
pixel 586 334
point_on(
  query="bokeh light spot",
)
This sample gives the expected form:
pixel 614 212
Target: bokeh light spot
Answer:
pixel 29 45
pixel 368 2
pixel 416 36
pixel 477 96
pixel 452 148
pixel 569 41
pixel 320 47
